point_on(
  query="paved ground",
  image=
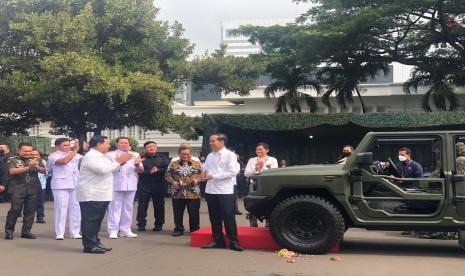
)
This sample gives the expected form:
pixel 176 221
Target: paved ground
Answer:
pixel 363 253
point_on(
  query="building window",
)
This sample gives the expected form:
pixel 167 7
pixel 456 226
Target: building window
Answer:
pixel 35 130
pixel 381 109
pixel 142 134
pixel 369 109
pixel 357 109
pixel 113 133
pixel 132 132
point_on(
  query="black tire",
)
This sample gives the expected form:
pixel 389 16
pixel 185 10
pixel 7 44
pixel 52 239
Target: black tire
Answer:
pixel 307 224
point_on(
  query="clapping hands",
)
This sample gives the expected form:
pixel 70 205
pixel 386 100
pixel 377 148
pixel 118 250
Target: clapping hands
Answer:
pixel 123 158
pixel 154 170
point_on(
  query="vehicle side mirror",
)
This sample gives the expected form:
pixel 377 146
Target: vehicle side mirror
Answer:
pixel 364 159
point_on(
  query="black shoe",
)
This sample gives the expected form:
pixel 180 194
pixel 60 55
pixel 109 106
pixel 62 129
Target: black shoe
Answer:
pixel 214 245
pixel 157 228
pixel 238 213
pixel 29 236
pixel 141 228
pixel 177 233
pixel 234 245
pixel 104 248
pixel 8 237
pixel 94 250
pixel 194 229
pixel 40 220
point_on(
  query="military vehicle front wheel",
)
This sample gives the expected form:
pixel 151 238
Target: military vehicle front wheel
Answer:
pixel 307 224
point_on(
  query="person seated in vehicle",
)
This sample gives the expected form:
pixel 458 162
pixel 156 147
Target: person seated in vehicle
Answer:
pixel 346 153
pixel 460 160
pixel 408 168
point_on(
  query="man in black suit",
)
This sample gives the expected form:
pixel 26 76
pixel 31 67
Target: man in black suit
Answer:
pixel 152 184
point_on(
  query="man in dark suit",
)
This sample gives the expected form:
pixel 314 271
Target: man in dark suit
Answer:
pixel 152 184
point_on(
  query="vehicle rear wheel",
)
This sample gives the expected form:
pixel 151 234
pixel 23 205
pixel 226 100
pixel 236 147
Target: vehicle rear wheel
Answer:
pixel 307 224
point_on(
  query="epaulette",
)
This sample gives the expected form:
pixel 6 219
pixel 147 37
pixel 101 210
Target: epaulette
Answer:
pixel 12 159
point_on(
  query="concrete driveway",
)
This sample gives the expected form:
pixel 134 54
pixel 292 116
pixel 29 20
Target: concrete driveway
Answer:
pixel 363 253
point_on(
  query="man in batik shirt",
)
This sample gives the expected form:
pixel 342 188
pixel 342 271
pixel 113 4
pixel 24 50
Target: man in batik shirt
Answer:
pixel 184 175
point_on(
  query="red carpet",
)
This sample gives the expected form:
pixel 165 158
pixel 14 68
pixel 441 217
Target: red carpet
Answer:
pixel 249 238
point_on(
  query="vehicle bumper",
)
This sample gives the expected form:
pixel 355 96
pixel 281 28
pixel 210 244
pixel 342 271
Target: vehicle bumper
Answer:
pixel 259 206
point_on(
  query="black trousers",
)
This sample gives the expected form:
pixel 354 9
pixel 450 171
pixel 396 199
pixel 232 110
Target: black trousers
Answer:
pixel 40 206
pixel 236 207
pixel 27 204
pixel 221 210
pixel 193 207
pixel 92 214
pixel 158 200
pixel 4 196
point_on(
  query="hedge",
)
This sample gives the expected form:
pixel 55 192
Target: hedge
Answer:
pixel 43 144
pixel 298 121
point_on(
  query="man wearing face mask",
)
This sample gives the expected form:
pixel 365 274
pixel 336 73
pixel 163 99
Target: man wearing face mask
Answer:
pixel 346 153
pixel 408 168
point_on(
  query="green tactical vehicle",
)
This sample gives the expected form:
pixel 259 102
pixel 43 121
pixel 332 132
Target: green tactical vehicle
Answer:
pixel 310 207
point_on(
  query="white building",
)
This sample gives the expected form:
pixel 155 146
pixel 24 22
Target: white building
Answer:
pixel 239 45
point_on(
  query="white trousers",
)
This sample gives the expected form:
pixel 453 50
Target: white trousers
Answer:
pixel 120 212
pixel 66 207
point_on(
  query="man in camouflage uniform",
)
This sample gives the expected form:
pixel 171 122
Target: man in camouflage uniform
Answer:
pixel 460 161
pixel 25 189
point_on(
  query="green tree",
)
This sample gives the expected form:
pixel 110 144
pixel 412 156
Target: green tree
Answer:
pixel 282 65
pixel 90 64
pixel 288 77
pixel 429 35
pixel 84 94
pixel 439 89
pixel 226 74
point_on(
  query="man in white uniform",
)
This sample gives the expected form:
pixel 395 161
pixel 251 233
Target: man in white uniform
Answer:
pixel 95 190
pixel 125 187
pixel 64 163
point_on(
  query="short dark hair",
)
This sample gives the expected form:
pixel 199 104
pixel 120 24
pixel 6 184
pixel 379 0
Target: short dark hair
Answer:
pixel 407 150
pixel 221 137
pixel 184 148
pixel 60 140
pixel 263 144
pixel 24 144
pixel 97 139
pixel 122 137
pixel 348 146
pixel 40 153
pixel 149 142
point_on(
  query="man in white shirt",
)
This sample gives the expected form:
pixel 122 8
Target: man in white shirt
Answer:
pixel 125 187
pixel 64 163
pixel 220 171
pixel 259 164
pixel 94 190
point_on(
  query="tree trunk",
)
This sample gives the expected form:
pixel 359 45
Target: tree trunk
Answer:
pixel 359 95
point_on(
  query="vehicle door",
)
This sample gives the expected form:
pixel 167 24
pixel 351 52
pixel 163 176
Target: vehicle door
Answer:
pixel 377 190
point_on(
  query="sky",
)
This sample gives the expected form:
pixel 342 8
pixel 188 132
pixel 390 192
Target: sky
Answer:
pixel 201 18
